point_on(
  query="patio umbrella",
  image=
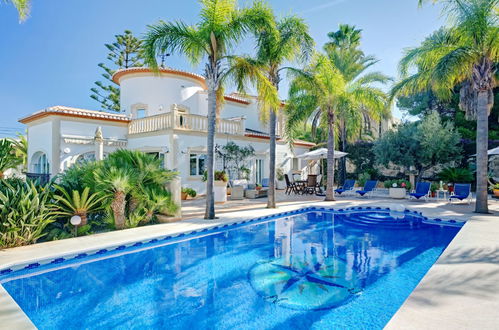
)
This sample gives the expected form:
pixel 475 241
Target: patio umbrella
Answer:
pixel 494 151
pixel 491 152
pixel 321 154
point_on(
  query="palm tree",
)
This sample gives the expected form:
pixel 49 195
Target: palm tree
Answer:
pixel 463 54
pixel 8 157
pixel 22 6
pixel 343 50
pixel 76 203
pixel 287 41
pixel 221 27
pixel 115 183
pixel 324 94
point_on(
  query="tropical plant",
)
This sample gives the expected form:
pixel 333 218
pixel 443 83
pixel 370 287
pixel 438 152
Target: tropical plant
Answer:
pixel 424 145
pixel 464 54
pixel 284 41
pixel 222 25
pixel 24 212
pixel 115 183
pixel 156 200
pixel 363 178
pixel 21 150
pixel 72 203
pixel 22 6
pixel 343 50
pixel 189 192
pixel 8 157
pixel 323 94
pixel 235 158
pixel 125 52
pixel 455 175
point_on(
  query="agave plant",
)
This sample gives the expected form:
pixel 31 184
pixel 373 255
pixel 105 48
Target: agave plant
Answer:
pixel 76 203
pixel 25 212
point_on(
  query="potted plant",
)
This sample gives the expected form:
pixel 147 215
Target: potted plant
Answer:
pixel 495 189
pixel 188 192
pixel 219 185
pixel 397 188
pixel 258 186
pixel 433 189
pixel 281 184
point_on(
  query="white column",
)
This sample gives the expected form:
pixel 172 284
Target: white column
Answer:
pixel 99 144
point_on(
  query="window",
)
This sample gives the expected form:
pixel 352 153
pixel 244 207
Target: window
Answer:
pixel 159 156
pixel 40 163
pixel 140 113
pixel 295 165
pixel 197 164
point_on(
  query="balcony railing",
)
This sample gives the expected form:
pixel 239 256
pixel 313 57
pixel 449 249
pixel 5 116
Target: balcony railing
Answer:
pixel 184 121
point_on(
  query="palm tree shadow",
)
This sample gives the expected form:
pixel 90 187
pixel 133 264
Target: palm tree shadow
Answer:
pixel 471 255
pixel 463 282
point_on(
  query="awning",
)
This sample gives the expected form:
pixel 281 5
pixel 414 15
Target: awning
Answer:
pixel 320 154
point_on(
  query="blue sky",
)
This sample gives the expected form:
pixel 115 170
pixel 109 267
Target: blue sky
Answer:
pixel 51 59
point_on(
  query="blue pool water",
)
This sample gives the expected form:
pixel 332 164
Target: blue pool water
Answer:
pixel 314 270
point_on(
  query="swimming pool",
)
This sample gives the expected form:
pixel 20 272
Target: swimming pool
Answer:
pixel 312 268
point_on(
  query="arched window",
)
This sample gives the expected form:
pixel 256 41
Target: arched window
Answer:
pixel 40 163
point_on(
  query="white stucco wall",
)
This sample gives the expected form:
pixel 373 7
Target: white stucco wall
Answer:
pixel 40 140
pixel 85 127
pixel 158 92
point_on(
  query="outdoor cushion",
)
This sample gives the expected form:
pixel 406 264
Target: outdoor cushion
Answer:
pixel 265 182
pixel 347 186
pixel 417 195
pixel 368 187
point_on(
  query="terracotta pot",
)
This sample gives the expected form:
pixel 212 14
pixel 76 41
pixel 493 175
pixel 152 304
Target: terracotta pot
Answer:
pixel 183 196
pixel 258 188
pixel 496 192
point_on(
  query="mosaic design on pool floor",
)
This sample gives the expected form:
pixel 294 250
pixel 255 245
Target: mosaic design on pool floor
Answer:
pixel 301 285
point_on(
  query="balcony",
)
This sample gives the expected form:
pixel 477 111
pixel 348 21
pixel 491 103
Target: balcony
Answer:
pixel 177 120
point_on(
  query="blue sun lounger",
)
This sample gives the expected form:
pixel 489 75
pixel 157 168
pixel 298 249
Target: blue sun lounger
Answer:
pixel 462 191
pixel 422 190
pixel 368 188
pixel 347 187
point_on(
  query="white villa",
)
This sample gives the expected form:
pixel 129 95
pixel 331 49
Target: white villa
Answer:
pixel 164 114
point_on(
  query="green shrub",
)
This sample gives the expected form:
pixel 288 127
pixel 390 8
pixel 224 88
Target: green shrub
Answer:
pixel 363 177
pixel 456 175
pixel 219 176
pixel 189 191
pixel 24 212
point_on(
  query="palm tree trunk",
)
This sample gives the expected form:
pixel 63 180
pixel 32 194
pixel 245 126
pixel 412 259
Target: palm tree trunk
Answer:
pixel 210 159
pixel 118 207
pixel 343 162
pixel 482 132
pixel 272 131
pixel 330 156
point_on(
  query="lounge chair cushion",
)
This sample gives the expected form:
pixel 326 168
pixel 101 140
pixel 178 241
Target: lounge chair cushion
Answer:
pixel 417 195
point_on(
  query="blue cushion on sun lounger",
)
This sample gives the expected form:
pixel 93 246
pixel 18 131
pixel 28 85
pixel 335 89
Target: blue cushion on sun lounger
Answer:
pixel 362 192
pixel 460 197
pixel 417 195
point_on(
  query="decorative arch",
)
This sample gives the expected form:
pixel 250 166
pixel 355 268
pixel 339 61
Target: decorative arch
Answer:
pixel 40 163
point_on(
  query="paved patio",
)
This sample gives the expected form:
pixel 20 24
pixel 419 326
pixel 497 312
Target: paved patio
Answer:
pixel 461 291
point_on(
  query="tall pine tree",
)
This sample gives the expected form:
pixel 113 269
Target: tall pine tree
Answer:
pixel 124 53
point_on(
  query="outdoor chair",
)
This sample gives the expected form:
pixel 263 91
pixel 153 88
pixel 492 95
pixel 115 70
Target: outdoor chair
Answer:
pixel 462 191
pixel 422 191
pixel 346 188
pixel 265 182
pixel 290 186
pixel 311 186
pixel 368 188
